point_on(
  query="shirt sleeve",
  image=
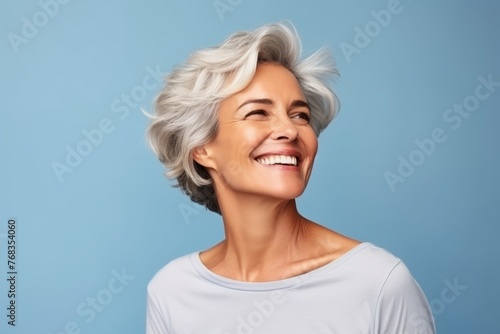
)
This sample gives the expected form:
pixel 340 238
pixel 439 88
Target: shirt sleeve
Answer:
pixel 402 307
pixel 155 319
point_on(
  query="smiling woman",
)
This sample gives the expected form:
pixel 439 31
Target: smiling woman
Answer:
pixel 264 130
pixel 237 127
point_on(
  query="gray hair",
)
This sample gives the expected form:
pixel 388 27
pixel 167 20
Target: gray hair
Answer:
pixel 186 109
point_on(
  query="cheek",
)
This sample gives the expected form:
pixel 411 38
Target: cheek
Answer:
pixel 246 139
pixel 311 142
pixel 234 147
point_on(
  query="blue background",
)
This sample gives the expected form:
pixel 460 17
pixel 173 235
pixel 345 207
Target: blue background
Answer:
pixel 115 212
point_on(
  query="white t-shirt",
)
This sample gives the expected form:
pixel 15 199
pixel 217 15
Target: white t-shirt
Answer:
pixel 367 290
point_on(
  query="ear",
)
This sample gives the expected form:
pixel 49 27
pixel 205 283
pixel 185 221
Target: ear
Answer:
pixel 201 156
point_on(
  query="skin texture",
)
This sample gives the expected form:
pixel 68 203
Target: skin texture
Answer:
pixel 266 238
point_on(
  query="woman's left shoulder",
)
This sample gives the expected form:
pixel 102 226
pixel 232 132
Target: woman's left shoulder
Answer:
pixel 338 246
pixel 376 254
pixel 373 259
pixel 379 268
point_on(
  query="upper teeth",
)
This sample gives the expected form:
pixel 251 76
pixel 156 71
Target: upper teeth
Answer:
pixel 278 159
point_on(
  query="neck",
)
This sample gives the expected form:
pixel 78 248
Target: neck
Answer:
pixel 262 236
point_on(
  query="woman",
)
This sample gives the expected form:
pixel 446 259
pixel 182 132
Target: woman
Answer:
pixel 237 127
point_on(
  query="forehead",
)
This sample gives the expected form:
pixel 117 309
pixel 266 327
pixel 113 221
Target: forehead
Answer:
pixel 270 81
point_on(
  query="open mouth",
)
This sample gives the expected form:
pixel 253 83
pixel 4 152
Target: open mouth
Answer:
pixel 285 160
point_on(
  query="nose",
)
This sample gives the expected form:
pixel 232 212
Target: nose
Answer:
pixel 283 128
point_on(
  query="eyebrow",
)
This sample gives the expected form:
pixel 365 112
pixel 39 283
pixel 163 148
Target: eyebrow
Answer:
pixel 295 103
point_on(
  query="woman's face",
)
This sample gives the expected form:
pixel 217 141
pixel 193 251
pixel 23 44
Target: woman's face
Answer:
pixel 264 145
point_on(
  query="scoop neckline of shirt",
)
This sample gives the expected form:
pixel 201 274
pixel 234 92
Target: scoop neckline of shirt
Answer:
pixel 286 283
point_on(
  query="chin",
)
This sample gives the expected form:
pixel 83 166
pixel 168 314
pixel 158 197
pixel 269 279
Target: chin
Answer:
pixel 284 192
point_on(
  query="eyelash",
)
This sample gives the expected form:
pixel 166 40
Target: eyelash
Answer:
pixel 302 115
pixel 256 112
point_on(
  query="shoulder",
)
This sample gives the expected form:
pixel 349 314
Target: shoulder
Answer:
pixel 400 305
pixel 371 269
pixel 373 258
pixel 173 274
pixel 396 276
pixel 399 295
pixel 160 289
pixel 402 298
pixel 381 266
pixel 335 247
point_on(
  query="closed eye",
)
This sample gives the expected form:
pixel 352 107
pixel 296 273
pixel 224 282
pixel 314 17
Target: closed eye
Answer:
pixel 259 112
pixel 302 115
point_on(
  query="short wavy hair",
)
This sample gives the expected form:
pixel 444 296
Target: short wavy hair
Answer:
pixel 186 110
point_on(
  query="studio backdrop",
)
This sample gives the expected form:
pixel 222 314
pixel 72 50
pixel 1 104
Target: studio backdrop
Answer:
pixel 87 218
